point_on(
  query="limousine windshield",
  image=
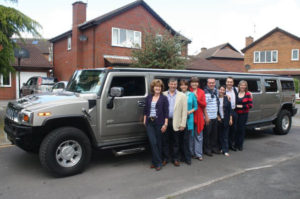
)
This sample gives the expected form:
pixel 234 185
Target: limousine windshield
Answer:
pixel 86 81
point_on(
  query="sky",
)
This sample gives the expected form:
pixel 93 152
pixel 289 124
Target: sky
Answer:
pixel 207 23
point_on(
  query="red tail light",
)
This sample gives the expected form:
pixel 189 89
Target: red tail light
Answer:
pixel 39 81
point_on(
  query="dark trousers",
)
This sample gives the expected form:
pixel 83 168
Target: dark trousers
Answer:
pixel 232 129
pixel 170 141
pixel 223 136
pixel 155 138
pixel 184 141
pixel 240 133
pixel 210 137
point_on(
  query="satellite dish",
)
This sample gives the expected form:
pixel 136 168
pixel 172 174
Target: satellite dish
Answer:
pixel 21 53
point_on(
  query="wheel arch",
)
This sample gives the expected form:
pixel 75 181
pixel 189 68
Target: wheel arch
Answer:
pixel 79 122
pixel 287 106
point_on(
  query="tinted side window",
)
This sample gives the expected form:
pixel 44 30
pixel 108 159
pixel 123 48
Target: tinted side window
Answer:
pixel 133 86
pixel 287 85
pixel 254 85
pixel 61 85
pixel 271 85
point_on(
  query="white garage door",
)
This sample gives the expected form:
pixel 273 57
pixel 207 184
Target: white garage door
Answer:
pixel 24 76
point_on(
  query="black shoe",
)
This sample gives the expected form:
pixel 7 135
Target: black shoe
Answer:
pixel 216 152
pixel 208 154
pixel 232 148
pixel 240 148
pixel 188 162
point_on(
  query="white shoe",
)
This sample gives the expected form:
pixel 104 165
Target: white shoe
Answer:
pixel 226 154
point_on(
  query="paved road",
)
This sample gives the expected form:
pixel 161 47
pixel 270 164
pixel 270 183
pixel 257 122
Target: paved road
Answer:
pixel 267 167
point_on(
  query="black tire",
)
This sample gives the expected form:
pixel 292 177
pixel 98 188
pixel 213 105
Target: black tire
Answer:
pixel 52 145
pixel 280 128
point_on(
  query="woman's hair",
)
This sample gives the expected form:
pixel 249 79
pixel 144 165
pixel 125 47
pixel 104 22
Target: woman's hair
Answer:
pixel 222 86
pixel 156 82
pixel 184 81
pixel 243 82
pixel 194 79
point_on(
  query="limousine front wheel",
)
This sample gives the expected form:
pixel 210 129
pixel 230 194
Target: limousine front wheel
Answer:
pixel 283 122
pixel 65 151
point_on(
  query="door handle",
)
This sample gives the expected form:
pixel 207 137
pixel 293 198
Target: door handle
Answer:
pixel 141 104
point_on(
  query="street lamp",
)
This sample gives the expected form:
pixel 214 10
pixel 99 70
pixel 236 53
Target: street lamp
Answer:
pixel 20 53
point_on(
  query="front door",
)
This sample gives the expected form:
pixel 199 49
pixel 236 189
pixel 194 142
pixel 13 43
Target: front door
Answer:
pixel 125 120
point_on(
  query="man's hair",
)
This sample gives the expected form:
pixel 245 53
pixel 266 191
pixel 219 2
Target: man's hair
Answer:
pixel 172 79
pixel 229 78
pixel 211 78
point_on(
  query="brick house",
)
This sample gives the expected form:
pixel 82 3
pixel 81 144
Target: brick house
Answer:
pixel 277 52
pixel 36 65
pixel 107 40
pixel 223 57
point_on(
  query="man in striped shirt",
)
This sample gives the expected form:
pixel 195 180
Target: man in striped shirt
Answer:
pixel 210 131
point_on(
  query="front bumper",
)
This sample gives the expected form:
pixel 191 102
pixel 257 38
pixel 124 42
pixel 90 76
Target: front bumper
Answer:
pixel 25 137
pixel 294 111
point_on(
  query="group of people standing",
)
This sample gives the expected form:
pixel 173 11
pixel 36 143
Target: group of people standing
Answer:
pixel 183 123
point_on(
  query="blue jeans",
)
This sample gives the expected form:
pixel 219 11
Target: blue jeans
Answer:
pixel 155 138
pixel 223 136
pixel 232 129
pixel 196 143
pixel 240 133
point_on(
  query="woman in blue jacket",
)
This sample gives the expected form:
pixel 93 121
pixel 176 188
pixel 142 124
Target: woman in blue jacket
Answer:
pixel 156 114
pixel 224 119
pixel 192 107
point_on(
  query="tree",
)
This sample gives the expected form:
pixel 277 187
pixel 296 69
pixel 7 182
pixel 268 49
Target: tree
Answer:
pixel 159 52
pixel 13 23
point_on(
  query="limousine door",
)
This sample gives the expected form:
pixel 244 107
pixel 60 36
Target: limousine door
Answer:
pixel 123 121
pixel 271 101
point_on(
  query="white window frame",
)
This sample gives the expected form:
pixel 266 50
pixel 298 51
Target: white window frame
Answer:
pixel 69 43
pixel 117 43
pixel 292 58
pixel 1 81
pixel 265 62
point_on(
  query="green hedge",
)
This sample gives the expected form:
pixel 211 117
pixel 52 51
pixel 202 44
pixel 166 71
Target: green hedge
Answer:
pixel 296 82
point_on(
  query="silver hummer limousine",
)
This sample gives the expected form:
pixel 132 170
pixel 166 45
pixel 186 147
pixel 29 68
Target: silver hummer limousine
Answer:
pixel 103 109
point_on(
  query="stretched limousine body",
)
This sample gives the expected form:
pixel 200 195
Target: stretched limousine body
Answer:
pixel 103 108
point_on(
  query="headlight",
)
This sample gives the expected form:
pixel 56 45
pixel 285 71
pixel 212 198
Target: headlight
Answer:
pixel 25 117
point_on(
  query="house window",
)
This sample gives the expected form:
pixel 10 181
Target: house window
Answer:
pixel 69 43
pixel 5 80
pixel 295 54
pixel 178 47
pixel 159 37
pixel 269 56
pixel 126 38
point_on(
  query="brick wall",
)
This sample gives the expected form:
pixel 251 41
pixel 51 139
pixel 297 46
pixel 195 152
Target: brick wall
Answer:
pixel 277 41
pixel 90 53
pixel 8 93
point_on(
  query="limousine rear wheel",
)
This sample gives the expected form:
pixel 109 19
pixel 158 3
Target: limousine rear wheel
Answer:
pixel 65 151
pixel 283 122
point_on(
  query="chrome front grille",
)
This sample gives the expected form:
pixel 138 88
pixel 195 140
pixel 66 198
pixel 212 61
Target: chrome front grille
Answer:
pixel 12 113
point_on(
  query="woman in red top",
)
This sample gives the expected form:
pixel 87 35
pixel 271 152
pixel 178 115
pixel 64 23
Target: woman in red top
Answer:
pixel 196 138
pixel 243 104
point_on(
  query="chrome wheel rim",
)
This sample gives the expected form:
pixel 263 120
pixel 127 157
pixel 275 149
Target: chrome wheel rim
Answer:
pixel 285 122
pixel 68 153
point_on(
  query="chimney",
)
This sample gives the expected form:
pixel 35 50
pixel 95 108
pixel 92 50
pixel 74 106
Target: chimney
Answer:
pixel 249 40
pixel 79 13
pixel 79 17
pixel 203 49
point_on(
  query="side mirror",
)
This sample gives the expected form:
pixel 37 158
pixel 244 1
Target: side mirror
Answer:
pixel 114 92
pixel 24 84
